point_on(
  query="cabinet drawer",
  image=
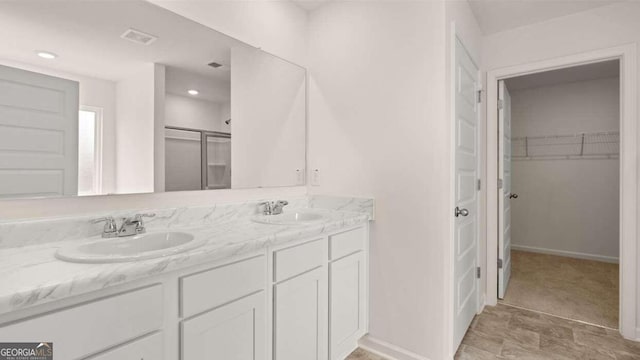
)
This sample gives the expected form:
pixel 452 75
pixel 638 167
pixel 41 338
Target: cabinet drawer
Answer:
pixel 209 289
pixel 297 259
pixel 148 348
pixel 93 327
pixel 347 242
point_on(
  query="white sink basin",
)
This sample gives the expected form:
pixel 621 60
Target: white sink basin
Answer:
pixel 290 218
pixel 130 248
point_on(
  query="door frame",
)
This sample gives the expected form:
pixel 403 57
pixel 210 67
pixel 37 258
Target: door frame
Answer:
pixel 628 170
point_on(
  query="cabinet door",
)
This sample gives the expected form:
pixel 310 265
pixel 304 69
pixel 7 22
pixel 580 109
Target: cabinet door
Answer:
pixel 148 348
pixel 235 331
pixel 300 317
pixel 347 308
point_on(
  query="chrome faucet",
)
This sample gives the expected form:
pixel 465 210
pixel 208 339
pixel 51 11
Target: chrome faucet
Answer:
pixel 110 228
pixel 130 226
pixel 274 207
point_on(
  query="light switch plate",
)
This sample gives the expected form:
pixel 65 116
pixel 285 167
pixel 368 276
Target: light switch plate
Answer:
pixel 315 177
pixel 300 176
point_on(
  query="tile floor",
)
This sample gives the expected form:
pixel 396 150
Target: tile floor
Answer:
pixel 360 354
pixel 506 332
pixel 572 288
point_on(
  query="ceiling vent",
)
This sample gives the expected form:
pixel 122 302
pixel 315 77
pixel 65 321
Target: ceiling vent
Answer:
pixel 138 37
pixel 215 65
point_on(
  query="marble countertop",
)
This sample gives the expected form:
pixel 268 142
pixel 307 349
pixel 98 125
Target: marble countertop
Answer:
pixel 32 275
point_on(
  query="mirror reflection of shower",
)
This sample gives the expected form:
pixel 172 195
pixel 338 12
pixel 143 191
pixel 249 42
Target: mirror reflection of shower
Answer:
pixel 197 159
pixel 197 129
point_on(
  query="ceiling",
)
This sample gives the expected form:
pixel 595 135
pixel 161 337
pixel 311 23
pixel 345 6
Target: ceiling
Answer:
pixel 500 15
pixel 86 36
pixel 178 81
pixel 605 69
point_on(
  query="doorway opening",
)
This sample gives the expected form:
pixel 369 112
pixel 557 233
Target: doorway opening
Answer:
pixel 628 176
pixel 559 197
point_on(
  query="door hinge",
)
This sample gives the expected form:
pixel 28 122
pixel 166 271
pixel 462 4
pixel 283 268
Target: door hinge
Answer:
pixel 478 272
pixel 499 263
pixel 499 183
pixel 479 92
pixel 479 184
pixel 500 104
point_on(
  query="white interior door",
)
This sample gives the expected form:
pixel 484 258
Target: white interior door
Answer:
pixel 466 198
pixel 504 202
pixel 38 134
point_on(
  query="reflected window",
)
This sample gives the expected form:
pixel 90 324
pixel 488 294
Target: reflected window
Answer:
pixel 89 151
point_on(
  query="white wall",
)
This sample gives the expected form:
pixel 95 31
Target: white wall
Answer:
pixel 570 108
pixel 74 206
pixel 193 113
pixel 135 132
pixel 93 92
pixel 268 109
pixel 568 207
pixel 278 27
pixel 603 27
pixel 377 128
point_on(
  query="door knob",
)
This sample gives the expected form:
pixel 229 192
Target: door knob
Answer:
pixel 513 196
pixel 461 212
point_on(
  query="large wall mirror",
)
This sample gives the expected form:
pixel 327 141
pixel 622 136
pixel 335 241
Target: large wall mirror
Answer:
pixel 120 97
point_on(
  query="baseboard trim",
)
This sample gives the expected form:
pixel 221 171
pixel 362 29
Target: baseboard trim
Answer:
pixel 387 350
pixel 571 254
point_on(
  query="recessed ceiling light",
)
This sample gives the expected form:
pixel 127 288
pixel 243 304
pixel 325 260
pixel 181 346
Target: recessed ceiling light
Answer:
pixel 193 92
pixel 46 55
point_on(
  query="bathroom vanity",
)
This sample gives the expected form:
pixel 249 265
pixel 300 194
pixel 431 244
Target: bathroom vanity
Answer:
pixel 147 106
pixel 251 291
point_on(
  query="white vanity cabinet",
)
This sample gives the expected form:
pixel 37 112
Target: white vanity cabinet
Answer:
pixel 233 331
pixel 147 348
pixel 89 328
pixel 224 311
pixel 303 300
pixel 347 291
pixel 300 302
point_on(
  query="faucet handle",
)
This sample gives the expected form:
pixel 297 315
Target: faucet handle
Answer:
pixel 110 226
pixel 268 206
pixel 99 220
pixel 140 224
pixel 140 216
pixel 277 207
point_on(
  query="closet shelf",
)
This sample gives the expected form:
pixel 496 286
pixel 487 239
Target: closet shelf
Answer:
pixel 594 145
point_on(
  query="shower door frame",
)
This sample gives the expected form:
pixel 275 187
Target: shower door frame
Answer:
pixel 204 155
pixel 204 167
